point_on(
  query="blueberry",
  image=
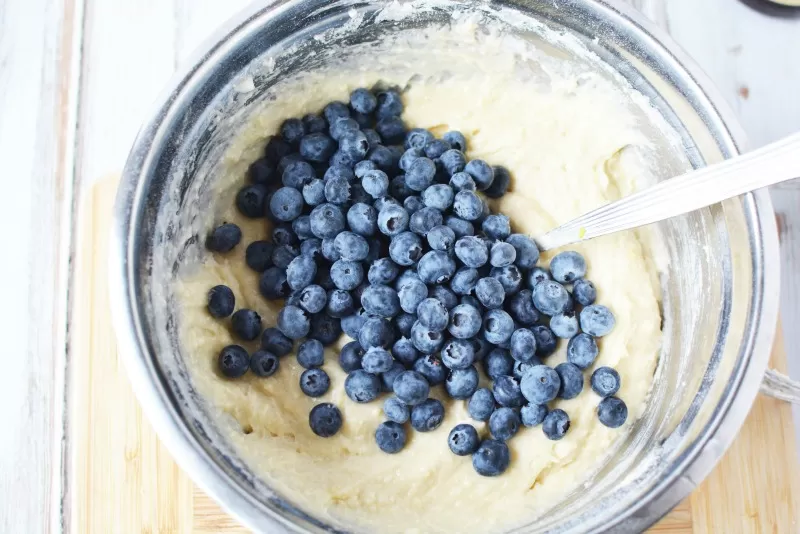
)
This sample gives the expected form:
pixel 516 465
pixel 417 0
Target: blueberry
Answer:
pixel 504 423
pixel 223 238
pixel 436 148
pixel 489 292
pixel 556 424
pixel 432 368
pixel 261 172
pixel 350 356
pixel 301 228
pixel 491 459
pixel 482 348
pixel 453 161
pixel 460 227
pixel 301 272
pixel 550 298
pixel 376 360
pixel 375 332
pixel 329 250
pixel 383 202
pixel 408 158
pixel 286 204
pixel 498 363
pixel 391 129
pixel 327 220
pixel 382 157
pixel 496 227
pixel 340 304
pixel 221 301
pixel 273 284
pixel 347 274
pixel 582 350
pixel 509 277
pixel 388 377
pixel 412 204
pixel 389 104
pixel 471 251
pixel 273 340
pixel 537 275
pixel 287 160
pixel 373 139
pixel 342 126
pixel 533 414
pixel 605 381
pixel 263 363
pixel 520 368
pixel 297 175
pixel 481 172
pixel 420 174
pixel 405 248
pixel 376 183
pixel 464 281
pixel 458 353
pixel 351 246
pixel 481 404
pixel 424 220
pixel 411 388
pixel 312 247
pixel 502 254
pixel 318 147
pixel 337 190
pixel 520 307
pixel 258 255
pixel 584 292
pixel 445 296
pixel 564 325
pixel 545 340
pixel 436 267
pixel 310 354
pixel 463 439
pixel 338 172
pixel 439 196
pixel 336 110
pixel 233 361
pixel 362 167
pixel 363 101
pixel 246 324
pixel 523 345
pixel 396 410
pixel 432 314
pixel 502 179
pixel 411 294
pixel 314 192
pixel 612 412
pixel 571 380
pixel 597 320
pixel 462 181
pixel 456 140
pixel 566 267
pixel 390 437
pixel 314 123
pixel 352 324
pixel 361 386
pixel 527 251
pixel 314 382
pixel 283 255
pixel 540 384
pixel 465 321
pixel 462 383
pixel 381 301
pixel 251 200
pixel 293 322
pixel 383 271
pixel 507 392
pixel 467 205
pixel 392 220
pixel 313 298
pixel 325 420
pixel 427 415
pixel 408 275
pixel 362 219
pixel 497 326
pixel 426 340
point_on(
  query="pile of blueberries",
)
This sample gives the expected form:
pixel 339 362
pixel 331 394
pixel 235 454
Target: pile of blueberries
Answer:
pixel 385 234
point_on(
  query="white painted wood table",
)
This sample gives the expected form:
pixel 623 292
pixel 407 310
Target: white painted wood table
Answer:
pixel 76 79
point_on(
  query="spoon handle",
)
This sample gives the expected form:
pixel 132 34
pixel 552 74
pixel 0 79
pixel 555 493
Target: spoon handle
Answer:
pixel 771 164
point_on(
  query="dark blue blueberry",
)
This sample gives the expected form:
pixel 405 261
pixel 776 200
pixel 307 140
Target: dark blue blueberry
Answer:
pixel 382 271
pixel 436 267
pixel 336 110
pixel 310 354
pixel 462 181
pixel 251 200
pixel 340 304
pixel 301 272
pixel 427 416
pixel 343 126
pixel 520 307
pixel 246 324
pixel 317 147
pixel 258 255
pixel 550 298
pixel 325 328
pixel 453 161
pixel 293 322
pixel 283 255
pixel 376 183
pixel 381 301
pixel 313 299
pixel 288 160
pixel 376 332
pixel 351 246
pixel 376 360
pixel 418 138
pixel 233 361
pixel 439 196
pixel 605 381
pixel 286 204
pixel 298 174
pixel 546 341
pixel 263 363
pixel 456 140
pixel 481 172
pixel 409 156
pixel 458 353
pixel 533 414
pixel 314 123
pixel 571 380
pixel 445 296
pixel 364 120
pixel 555 424
pixel 468 206
pixel 293 299
pixel 441 238
pixel 527 251
pixel 404 322
pixel 462 383
pixel 411 294
pixel 223 238
pixel 536 276
pixel 420 174
pixel 497 326
pixel 274 341
pixel 388 377
pixel 301 228
pixel 463 439
pixel 314 192
pixel 540 384
pixel 507 392
pixel 584 292
pixel 523 345
pixel 520 368
pixel 273 284
pixel 373 139
pixel 509 277
pixel 491 459
pixel 612 412
pixel 382 157
pixel 405 248
pixel 465 321
pixel 363 101
pixel 597 320
pixel 436 148
pixel 504 423
pixel 350 356
pixel 424 220
pixel 276 149
pixel 498 363
pixel 497 227
pixel 390 437
pixel 464 281
pixel 566 267
pixel 314 382
pixel 362 167
pixel 362 219
pixel 391 129
pixel 431 367
pixel 481 404
pixel 398 188
pixel 337 190
pixel 411 387
pixel 432 314
pixel 413 204
pixel 489 292
pixel 405 277
pixel 338 172
pixel 327 220
pixel 482 348
pixel 460 227
pixel 351 325
pixel 396 410
pixel 502 179
pixel 221 301
pixel 347 275
pixel 329 250
pixel 261 172
pixel 582 350
pixel 312 247
pixel 325 420
pixel 471 251
pixel 389 104
pixel 361 386
pixel 426 340
pixel 292 130
pixel 564 325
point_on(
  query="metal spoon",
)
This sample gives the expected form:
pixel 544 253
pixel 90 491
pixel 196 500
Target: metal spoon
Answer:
pixel 771 164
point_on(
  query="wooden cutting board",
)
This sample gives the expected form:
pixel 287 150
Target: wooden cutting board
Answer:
pixel 121 479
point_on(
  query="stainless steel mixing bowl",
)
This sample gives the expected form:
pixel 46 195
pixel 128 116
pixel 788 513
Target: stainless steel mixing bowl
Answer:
pixel 721 288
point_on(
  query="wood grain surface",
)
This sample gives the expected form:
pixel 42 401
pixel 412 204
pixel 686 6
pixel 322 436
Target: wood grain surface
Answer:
pixel 123 475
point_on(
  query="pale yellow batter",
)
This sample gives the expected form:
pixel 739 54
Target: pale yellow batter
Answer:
pixel 558 129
